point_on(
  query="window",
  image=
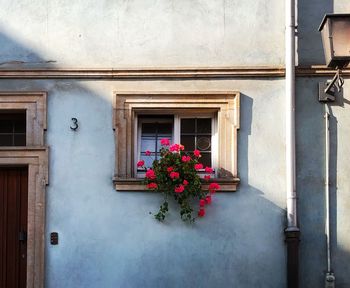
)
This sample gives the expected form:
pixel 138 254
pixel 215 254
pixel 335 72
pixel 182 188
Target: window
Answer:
pixel 207 121
pixel 23 118
pixel 12 128
pixel 192 132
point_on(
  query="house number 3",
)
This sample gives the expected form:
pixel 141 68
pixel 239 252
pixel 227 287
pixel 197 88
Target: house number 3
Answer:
pixel 75 125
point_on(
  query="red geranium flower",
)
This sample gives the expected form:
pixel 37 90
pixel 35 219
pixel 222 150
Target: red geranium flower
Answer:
pixel 198 166
pixel 202 202
pixel 213 187
pixel 179 188
pixel 165 142
pixel 186 158
pixel 169 169
pixel 150 174
pixel 174 175
pixel 207 177
pixel 147 153
pixel 209 169
pixel 140 163
pixel 152 185
pixel 185 182
pixel 201 212
pixel 208 199
pixel 175 148
pixel 197 153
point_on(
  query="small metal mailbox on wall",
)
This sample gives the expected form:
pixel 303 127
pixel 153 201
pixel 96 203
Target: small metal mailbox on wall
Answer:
pixel 335 31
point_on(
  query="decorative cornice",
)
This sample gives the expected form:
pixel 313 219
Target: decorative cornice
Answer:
pixel 141 73
pixel 164 73
pixel 319 70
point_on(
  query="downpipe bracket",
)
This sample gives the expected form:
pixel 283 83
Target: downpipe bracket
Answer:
pixel 329 280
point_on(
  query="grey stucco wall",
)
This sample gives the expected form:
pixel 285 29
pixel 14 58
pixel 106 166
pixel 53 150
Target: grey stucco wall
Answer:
pixel 108 238
pixel 137 33
pixel 310 184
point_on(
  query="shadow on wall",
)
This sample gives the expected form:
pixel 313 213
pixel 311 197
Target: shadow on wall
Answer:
pixel 340 258
pixel 15 55
pixel 311 131
pixel 310 15
pixel 241 242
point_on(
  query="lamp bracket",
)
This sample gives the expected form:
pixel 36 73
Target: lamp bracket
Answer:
pixel 327 90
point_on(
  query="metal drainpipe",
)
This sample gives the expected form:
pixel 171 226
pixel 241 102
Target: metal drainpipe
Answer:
pixel 292 231
pixel 330 278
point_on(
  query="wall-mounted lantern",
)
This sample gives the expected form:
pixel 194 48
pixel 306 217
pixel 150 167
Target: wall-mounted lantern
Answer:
pixel 335 31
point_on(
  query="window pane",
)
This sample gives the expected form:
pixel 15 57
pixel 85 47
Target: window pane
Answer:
pixel 188 125
pixel 203 143
pixel 20 124
pixel 6 126
pixel 20 140
pixel 148 160
pixel 148 143
pixel 165 129
pixel 151 135
pixel 6 140
pixel 203 125
pixel 148 128
pixel 205 159
pixel 188 141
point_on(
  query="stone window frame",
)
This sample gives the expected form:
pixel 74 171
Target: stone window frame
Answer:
pixel 34 156
pixel 127 104
pixel 35 105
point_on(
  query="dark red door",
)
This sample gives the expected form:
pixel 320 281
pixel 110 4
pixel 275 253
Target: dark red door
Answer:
pixel 13 227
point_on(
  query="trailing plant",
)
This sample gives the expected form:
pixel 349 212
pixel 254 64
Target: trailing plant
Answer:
pixel 175 175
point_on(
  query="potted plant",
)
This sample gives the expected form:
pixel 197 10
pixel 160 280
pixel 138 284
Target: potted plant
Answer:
pixel 175 175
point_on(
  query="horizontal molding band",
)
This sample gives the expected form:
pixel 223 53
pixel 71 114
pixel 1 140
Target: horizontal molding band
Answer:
pixel 161 73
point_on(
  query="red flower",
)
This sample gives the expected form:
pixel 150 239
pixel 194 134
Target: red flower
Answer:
pixel 213 187
pixel 152 185
pixel 174 175
pixel 197 153
pixel 182 147
pixel 201 212
pixel 208 199
pixel 150 174
pixel 165 142
pixel 148 153
pixel 140 163
pixel 179 188
pixel 169 169
pixel 186 158
pixel 202 202
pixel 185 182
pixel 207 177
pixel 209 169
pixel 174 148
pixel 198 166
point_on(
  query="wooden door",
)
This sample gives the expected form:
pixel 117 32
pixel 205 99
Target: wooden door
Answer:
pixel 13 227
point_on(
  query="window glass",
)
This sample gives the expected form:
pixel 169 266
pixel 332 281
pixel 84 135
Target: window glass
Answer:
pixel 12 128
pixel 152 131
pixel 196 134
